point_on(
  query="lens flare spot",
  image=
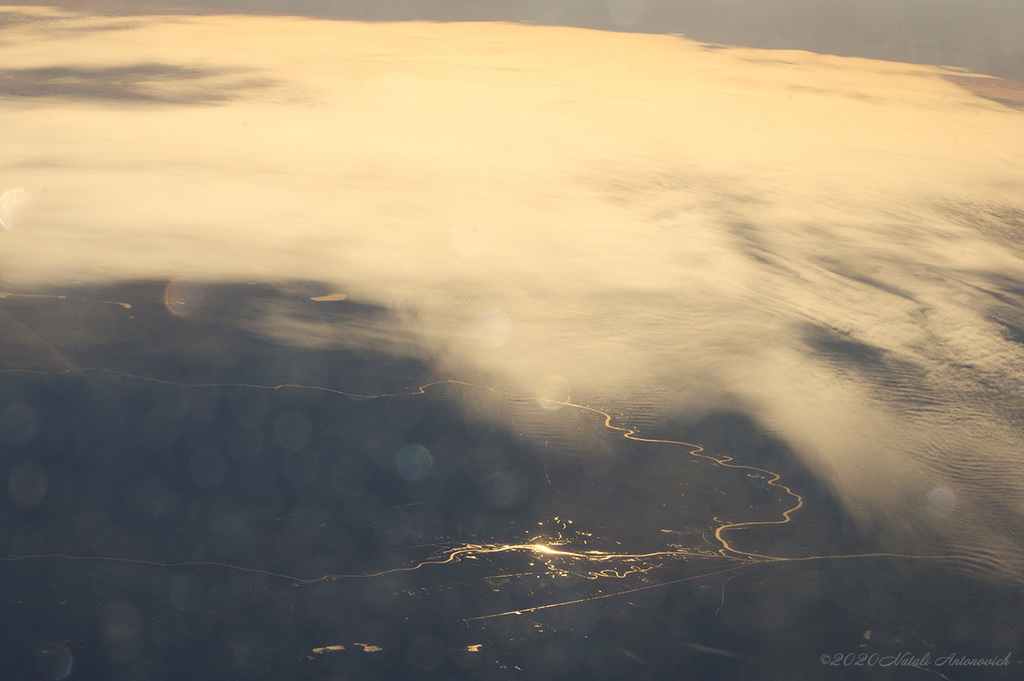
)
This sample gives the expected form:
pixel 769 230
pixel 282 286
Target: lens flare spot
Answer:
pixel 552 392
pixel 27 485
pixel 502 490
pixel 121 629
pixel 54 662
pixel 941 502
pixel 491 329
pixel 414 463
pixel 14 204
pixel 184 298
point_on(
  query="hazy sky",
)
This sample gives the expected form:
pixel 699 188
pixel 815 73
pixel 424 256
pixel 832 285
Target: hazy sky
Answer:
pixel 986 36
pixel 828 244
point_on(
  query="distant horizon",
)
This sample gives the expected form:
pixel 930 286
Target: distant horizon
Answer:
pixel 985 38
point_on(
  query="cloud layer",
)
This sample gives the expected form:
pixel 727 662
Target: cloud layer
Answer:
pixel 830 245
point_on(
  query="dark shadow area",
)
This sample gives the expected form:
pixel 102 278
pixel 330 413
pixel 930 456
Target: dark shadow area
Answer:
pixel 847 271
pixel 999 223
pixel 186 497
pixel 753 245
pixel 159 431
pixel 151 83
pixel 894 379
pixel 1009 93
pixel 844 350
pixel 54 22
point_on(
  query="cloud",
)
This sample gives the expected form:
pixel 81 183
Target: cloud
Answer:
pixel 828 245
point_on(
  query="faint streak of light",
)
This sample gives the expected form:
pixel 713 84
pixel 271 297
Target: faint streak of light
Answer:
pixel 715 651
pixel 632 656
